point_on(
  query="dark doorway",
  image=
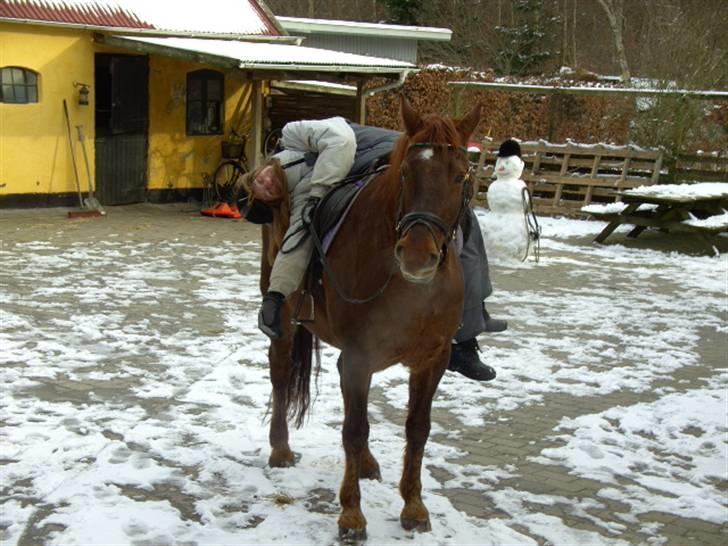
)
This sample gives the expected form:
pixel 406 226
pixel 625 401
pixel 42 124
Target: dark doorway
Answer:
pixel 122 121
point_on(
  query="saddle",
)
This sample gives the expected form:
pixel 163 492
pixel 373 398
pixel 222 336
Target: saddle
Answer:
pixel 333 207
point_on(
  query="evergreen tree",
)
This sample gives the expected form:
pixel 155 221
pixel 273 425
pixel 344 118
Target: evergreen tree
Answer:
pixel 402 12
pixel 524 45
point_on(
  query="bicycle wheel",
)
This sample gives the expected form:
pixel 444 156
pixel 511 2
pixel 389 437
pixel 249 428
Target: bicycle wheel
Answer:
pixel 270 144
pixel 224 179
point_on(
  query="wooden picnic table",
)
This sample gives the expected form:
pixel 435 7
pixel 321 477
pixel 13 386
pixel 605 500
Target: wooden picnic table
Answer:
pixel 699 208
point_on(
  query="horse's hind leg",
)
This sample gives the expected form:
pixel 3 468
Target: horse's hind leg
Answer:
pixel 368 465
pixel 355 381
pixel 279 356
pixel 422 388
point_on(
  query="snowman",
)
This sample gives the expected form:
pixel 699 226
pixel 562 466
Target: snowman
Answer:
pixel 506 231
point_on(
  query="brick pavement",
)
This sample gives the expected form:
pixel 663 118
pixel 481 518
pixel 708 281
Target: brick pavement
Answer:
pixel 509 439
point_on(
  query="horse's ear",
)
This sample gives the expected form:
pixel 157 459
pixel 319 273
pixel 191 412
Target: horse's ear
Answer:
pixel 467 125
pixel 412 120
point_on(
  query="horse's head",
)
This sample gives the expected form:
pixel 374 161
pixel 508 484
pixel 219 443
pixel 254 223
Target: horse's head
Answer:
pixel 434 177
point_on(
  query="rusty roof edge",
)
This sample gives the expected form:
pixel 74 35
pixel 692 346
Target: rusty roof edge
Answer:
pixel 161 33
pixel 268 13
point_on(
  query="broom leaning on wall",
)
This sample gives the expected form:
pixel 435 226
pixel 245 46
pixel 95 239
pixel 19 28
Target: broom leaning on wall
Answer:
pixel 90 207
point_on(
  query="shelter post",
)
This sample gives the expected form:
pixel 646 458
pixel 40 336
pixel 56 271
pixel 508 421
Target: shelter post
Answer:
pixel 257 123
pixel 456 102
pixel 361 102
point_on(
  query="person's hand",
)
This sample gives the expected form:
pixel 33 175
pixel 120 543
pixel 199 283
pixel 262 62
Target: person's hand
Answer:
pixel 308 210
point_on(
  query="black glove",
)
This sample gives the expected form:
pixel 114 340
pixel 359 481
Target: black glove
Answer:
pixel 269 317
pixel 308 210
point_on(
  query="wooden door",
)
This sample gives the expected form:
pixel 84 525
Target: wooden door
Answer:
pixel 122 121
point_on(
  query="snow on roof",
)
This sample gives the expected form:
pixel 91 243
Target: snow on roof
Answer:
pixel 271 56
pixel 241 17
pixel 332 26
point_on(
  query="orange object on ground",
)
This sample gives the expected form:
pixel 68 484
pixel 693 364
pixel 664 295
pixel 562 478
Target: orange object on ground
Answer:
pixel 86 213
pixel 222 210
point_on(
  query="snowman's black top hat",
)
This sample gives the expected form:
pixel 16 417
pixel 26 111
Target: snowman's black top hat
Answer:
pixel 508 148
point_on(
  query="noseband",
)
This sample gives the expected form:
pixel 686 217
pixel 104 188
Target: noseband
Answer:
pixel 432 222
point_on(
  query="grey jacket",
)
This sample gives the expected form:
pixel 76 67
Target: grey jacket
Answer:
pixel 334 142
pixel 328 147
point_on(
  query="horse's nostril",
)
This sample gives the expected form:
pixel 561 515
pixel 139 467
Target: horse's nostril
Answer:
pixel 398 252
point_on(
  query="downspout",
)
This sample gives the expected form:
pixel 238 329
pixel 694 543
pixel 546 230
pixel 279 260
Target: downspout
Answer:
pixel 387 86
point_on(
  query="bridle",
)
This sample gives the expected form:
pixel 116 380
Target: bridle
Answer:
pixel 433 222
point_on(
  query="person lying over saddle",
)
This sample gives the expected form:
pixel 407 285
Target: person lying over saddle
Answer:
pixel 316 155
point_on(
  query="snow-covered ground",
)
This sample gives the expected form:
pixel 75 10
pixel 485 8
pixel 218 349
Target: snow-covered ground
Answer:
pixel 134 392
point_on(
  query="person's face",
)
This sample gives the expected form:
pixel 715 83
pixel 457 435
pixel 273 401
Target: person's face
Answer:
pixel 266 187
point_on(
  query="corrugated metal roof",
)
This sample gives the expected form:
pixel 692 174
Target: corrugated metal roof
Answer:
pixel 248 55
pixel 236 17
pixel 357 28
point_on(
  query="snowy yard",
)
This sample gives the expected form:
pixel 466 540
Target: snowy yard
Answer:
pixel 135 386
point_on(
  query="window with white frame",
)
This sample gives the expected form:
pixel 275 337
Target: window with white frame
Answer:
pixel 18 85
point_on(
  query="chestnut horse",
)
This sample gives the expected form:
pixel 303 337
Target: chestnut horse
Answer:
pixel 397 297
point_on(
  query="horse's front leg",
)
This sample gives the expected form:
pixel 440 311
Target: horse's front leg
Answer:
pixel 368 466
pixel 355 381
pixel 279 357
pixel 422 386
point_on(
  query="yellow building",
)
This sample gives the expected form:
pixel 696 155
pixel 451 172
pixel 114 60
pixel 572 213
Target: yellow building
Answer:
pixel 139 99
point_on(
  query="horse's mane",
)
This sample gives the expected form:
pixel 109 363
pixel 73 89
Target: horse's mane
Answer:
pixel 435 129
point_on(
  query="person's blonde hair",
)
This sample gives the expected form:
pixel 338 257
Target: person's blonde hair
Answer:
pixel 246 181
pixel 279 210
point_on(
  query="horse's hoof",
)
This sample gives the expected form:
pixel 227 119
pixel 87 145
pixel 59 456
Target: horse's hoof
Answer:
pixel 352 536
pixel 281 459
pixel 421 526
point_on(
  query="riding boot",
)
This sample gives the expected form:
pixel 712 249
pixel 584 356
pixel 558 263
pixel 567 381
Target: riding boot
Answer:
pixel 493 324
pixel 464 359
pixel 269 317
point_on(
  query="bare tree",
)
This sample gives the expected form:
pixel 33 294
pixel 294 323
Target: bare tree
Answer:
pixel 615 14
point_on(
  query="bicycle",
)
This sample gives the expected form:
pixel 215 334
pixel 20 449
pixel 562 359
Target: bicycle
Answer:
pixel 270 144
pixel 233 165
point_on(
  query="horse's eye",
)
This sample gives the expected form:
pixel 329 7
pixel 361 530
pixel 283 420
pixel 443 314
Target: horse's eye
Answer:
pixel 459 179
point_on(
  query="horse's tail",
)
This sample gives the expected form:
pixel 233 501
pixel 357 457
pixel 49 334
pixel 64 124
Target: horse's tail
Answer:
pixel 299 384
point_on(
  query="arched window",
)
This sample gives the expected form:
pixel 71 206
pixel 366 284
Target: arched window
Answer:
pixel 205 99
pixel 18 85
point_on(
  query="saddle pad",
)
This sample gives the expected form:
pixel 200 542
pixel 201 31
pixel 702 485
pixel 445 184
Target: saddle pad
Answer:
pixel 334 207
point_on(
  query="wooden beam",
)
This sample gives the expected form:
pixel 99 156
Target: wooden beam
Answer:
pixel 257 113
pixel 361 103
pixel 145 48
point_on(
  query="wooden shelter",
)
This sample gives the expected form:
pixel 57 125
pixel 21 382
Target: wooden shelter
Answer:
pixel 155 87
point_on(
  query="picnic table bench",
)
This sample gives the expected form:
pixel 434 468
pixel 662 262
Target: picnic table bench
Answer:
pixel 699 208
pixel 562 178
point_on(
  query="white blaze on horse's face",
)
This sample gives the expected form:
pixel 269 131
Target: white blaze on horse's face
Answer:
pixel 427 154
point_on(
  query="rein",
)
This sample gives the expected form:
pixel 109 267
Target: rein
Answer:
pixel 533 229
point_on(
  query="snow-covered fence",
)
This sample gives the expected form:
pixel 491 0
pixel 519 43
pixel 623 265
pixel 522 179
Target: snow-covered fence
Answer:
pixel 698 167
pixel 565 177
